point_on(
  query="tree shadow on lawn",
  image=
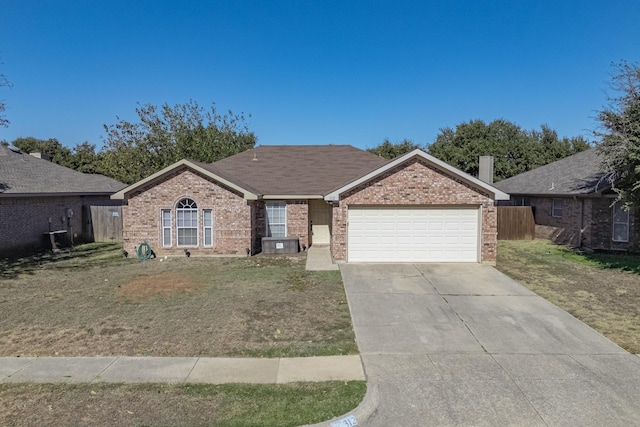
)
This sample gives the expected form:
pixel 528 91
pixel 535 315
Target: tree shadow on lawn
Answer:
pixel 82 256
pixel 628 263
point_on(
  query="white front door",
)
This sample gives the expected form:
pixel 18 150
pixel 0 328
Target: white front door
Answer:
pixel 320 218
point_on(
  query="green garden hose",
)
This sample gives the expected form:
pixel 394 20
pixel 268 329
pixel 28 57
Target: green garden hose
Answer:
pixel 144 251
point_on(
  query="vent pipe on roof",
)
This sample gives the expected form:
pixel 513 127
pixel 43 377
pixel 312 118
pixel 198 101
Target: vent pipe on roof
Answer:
pixel 485 170
pixel 255 156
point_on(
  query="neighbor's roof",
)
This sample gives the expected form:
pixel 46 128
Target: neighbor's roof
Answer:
pixel 580 174
pixel 24 175
pixel 299 169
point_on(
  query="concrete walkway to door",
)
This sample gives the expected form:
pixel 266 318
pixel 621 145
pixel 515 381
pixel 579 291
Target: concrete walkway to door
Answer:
pixel 464 345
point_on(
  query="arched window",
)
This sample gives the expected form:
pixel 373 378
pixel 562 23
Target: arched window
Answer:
pixel 187 222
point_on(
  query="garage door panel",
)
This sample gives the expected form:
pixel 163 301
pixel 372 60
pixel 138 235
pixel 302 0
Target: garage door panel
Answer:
pixel 436 225
pixel 412 235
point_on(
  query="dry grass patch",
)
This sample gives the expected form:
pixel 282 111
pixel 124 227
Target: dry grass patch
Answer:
pixel 93 302
pixel 601 290
pixel 164 285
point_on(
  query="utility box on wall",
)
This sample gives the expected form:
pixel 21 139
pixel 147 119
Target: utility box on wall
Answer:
pixel 280 245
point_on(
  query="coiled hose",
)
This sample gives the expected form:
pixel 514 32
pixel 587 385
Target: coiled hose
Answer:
pixel 144 251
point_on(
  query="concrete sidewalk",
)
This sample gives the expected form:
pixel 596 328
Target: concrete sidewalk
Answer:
pixel 179 369
pixel 319 259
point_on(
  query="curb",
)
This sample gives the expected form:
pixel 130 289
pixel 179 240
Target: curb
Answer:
pixel 360 414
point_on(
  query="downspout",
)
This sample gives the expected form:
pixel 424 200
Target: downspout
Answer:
pixel 581 223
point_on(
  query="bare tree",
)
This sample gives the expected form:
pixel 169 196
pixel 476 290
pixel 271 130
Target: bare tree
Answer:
pixel 4 82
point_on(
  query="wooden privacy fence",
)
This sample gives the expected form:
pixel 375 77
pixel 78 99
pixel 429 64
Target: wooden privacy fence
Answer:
pixel 107 223
pixel 516 223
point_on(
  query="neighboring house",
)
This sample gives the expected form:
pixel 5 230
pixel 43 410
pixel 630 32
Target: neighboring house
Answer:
pixel 37 197
pixel 573 198
pixel 412 208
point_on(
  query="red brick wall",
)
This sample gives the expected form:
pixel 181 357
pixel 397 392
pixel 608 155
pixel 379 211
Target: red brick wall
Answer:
pixel 415 183
pixel 298 220
pixel 23 220
pixel 232 215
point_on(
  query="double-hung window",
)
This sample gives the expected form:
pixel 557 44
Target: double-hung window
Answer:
pixel 276 219
pixel 166 228
pixel 620 232
pixel 207 227
pixel 187 222
pixel 556 208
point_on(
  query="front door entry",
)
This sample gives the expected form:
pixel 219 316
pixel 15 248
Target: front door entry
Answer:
pixel 320 220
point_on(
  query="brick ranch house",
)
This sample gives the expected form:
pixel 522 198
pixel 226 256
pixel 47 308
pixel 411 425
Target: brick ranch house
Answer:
pixel 414 208
pixel 37 197
pixel 573 204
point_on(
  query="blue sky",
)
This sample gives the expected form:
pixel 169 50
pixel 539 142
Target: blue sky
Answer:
pixel 313 72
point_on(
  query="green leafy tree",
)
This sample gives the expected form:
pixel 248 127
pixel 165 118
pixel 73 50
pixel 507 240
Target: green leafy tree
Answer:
pixel 620 134
pixel 389 150
pixel 514 150
pixel 57 152
pixel 85 159
pixel 167 134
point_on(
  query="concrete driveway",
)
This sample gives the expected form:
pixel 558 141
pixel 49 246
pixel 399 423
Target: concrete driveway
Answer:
pixel 464 345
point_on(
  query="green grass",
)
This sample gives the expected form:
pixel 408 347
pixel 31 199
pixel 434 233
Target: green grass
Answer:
pixel 84 256
pixel 230 405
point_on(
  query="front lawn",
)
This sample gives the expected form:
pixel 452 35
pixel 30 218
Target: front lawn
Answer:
pixel 176 405
pixel 92 301
pixel 602 290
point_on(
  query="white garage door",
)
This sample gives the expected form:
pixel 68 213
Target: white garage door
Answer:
pixel 412 235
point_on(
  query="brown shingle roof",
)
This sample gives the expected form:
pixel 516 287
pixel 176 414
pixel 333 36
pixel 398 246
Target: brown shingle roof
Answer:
pixel 296 170
pixel 23 174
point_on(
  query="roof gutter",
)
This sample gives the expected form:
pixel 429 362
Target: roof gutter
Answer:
pixel 25 195
pixel 559 195
pixel 292 197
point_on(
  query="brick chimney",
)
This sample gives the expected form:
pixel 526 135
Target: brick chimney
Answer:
pixel 41 155
pixel 485 169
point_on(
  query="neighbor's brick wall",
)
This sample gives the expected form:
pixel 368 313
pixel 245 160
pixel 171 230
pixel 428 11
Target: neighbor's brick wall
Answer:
pixel 593 215
pixel 416 183
pixel 567 227
pixel 232 230
pixel 23 220
pixel 602 228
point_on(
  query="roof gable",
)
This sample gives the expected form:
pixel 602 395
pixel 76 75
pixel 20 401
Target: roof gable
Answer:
pixel 202 168
pixel 579 174
pixel 24 175
pixel 436 163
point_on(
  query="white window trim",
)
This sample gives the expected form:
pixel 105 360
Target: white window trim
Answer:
pixel 617 206
pixel 166 229
pixel 179 228
pixel 554 208
pixel 207 227
pixel 273 203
